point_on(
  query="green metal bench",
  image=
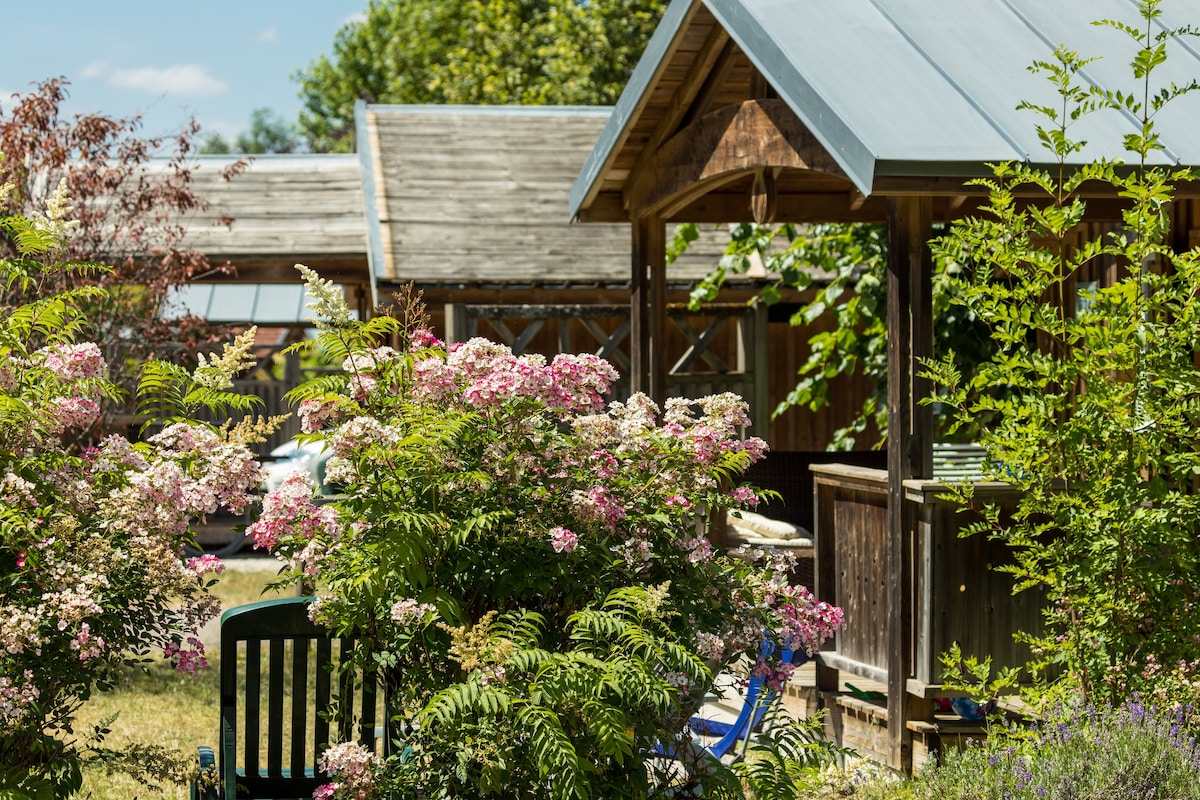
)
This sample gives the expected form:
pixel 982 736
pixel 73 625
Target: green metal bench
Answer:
pixel 277 684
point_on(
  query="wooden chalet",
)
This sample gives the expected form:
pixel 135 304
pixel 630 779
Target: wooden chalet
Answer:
pixel 284 209
pixel 867 110
pixel 280 211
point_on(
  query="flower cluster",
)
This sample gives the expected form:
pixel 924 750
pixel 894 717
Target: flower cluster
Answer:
pixel 804 621
pixel 562 539
pixel 289 512
pixel 73 362
pixel 354 767
pixel 217 372
pixel 485 375
pixel 409 612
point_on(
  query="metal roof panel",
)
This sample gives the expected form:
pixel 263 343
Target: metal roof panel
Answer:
pixel 913 87
pixel 232 301
pixel 846 69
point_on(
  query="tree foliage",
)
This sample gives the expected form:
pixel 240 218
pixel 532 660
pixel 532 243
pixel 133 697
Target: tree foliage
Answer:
pixel 268 133
pixel 128 216
pixel 844 266
pixel 1094 407
pixel 530 52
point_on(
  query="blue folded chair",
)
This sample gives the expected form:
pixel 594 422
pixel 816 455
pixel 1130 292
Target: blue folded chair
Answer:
pixel 757 699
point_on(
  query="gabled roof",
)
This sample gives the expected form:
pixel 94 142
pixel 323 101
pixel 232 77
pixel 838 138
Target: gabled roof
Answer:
pixel 477 194
pixel 896 90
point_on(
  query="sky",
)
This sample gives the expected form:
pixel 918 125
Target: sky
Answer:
pixel 169 60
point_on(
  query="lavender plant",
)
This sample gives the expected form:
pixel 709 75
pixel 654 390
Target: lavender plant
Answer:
pixel 91 569
pixel 528 566
pixel 1128 751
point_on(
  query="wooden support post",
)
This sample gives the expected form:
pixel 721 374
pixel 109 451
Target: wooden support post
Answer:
pixel 825 575
pixel 648 308
pixel 910 339
pixel 458 323
pixel 639 304
pixel 656 249
pixel 752 361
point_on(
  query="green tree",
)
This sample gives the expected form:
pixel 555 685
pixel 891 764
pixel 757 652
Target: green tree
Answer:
pixel 214 144
pixel 531 52
pixel 1097 422
pixel 269 133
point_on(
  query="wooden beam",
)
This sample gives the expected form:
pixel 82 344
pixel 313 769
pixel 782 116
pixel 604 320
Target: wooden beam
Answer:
pixel 714 81
pixel 722 146
pixel 725 206
pixel 910 267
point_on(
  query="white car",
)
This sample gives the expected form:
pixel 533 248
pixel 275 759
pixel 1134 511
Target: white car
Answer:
pixel 292 456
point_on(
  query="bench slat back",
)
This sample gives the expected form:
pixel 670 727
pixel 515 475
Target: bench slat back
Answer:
pixel 290 702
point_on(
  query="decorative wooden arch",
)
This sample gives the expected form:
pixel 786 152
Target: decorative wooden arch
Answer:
pixel 760 138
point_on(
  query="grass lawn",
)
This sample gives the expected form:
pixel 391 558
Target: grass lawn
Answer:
pixel 160 706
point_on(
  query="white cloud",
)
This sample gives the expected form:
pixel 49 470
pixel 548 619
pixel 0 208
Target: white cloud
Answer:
pixel 93 69
pixel 358 16
pixel 268 34
pixel 179 79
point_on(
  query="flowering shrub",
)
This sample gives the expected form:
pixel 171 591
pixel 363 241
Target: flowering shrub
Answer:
pixel 528 566
pixel 91 574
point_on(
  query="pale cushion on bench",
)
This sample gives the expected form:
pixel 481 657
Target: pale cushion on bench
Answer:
pixel 752 528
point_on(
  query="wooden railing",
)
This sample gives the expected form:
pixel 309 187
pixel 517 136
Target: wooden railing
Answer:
pixel 948 586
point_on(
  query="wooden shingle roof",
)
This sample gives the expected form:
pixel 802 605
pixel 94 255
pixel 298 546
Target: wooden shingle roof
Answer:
pixel 286 209
pixel 479 194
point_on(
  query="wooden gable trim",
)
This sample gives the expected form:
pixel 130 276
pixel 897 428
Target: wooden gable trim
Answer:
pixel 716 50
pixel 720 147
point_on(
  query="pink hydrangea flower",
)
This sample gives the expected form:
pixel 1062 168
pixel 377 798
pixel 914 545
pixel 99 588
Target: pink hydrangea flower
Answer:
pixel 409 612
pixel 190 659
pixel 66 413
pixel 354 766
pixel 73 362
pixel 744 495
pixel 423 338
pixel 205 564
pixel 563 540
